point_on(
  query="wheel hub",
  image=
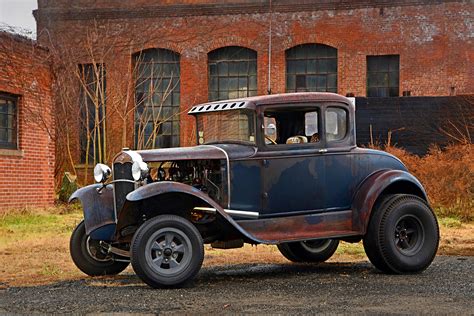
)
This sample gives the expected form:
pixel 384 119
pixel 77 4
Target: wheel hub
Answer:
pixel 409 235
pixel 168 251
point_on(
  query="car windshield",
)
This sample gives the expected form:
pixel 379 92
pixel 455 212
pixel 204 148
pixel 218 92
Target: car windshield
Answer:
pixel 226 126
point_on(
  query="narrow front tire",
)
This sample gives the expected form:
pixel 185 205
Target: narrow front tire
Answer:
pixel 167 251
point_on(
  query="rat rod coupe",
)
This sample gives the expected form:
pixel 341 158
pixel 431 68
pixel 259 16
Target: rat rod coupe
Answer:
pixel 278 169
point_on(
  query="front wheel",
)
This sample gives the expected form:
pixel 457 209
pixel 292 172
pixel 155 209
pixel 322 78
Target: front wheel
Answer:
pixel 167 250
pixel 89 257
pixel 403 235
pixel 309 250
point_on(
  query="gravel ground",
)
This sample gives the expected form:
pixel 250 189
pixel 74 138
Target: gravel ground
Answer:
pixel 447 287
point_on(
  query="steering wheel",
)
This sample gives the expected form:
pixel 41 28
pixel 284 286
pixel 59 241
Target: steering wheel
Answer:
pixel 271 140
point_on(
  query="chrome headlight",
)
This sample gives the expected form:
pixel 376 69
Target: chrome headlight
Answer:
pixel 139 170
pixel 101 172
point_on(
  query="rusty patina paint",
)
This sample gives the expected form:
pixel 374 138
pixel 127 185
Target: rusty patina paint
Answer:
pixel 371 189
pixel 313 226
pixel 98 206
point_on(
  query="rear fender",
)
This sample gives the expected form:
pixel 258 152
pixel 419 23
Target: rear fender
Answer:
pixel 98 207
pixel 164 194
pixel 378 183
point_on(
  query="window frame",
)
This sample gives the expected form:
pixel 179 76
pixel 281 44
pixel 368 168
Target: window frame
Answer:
pixel 215 61
pixel 84 70
pixel 388 86
pixel 14 145
pixel 316 59
pixel 343 139
pixel 154 60
pixel 304 107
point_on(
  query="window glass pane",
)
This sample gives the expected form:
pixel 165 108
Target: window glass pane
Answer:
pixel 92 89
pixel 236 74
pixel 383 76
pixel 270 130
pixel 311 123
pixel 336 124
pixel 315 65
pixel 160 101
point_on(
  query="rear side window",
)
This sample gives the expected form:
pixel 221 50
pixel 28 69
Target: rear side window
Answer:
pixel 336 124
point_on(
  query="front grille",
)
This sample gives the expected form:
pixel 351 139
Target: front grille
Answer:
pixel 122 171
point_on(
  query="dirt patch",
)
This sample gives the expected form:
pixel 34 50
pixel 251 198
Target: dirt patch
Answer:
pixel 34 249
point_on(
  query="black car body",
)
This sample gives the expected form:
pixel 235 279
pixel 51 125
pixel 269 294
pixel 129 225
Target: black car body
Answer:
pixel 279 169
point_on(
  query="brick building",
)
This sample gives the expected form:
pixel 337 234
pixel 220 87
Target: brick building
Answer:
pixel 26 124
pixel 208 49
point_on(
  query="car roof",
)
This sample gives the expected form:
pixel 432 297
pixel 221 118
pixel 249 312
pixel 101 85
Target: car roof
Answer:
pixel 254 102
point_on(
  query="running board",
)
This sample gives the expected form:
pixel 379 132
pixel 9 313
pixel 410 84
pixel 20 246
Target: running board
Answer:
pixel 301 227
pixel 212 210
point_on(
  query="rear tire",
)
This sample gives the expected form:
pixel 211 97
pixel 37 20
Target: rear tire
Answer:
pixel 87 256
pixel 167 251
pixel 309 251
pixel 402 236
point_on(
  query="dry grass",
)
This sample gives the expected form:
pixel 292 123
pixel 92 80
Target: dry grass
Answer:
pixel 34 248
pixel 447 175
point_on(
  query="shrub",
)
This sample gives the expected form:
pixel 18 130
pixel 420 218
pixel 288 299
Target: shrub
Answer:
pixel 447 175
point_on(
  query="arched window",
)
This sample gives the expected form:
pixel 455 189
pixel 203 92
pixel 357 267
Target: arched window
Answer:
pixel 311 67
pixel 157 93
pixel 232 73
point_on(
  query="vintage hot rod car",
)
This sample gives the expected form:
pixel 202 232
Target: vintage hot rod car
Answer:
pixel 278 169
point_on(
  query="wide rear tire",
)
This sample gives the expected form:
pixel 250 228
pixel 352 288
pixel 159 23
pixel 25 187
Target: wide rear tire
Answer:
pixel 309 251
pixel 167 251
pixel 403 235
pixel 88 257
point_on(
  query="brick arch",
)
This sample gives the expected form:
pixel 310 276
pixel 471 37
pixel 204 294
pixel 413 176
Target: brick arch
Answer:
pixel 136 52
pixel 309 43
pixel 231 41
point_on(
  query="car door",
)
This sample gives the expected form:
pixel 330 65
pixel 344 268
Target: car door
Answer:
pixel 293 174
pixel 341 178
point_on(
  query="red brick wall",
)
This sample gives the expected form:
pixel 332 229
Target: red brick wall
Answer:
pixel 27 174
pixel 433 38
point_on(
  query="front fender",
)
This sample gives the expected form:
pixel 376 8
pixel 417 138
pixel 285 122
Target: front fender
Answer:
pixel 98 207
pixel 373 186
pixel 156 189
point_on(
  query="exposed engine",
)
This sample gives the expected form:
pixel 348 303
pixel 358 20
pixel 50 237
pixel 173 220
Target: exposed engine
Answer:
pixel 205 175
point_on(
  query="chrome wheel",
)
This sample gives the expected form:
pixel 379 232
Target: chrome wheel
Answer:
pixel 316 246
pixel 95 251
pixel 168 251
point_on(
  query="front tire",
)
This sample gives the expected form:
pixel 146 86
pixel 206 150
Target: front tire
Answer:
pixel 88 257
pixel 167 251
pixel 309 250
pixel 403 235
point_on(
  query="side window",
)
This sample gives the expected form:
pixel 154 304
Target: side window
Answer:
pixel 336 124
pixel 270 130
pixel 311 126
pixel 290 126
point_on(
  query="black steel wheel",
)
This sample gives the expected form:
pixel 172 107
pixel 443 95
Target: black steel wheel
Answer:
pixel 89 256
pixel 403 235
pixel 318 250
pixel 167 251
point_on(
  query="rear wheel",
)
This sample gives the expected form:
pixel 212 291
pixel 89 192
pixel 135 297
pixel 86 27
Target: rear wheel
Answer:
pixel 167 251
pixel 309 250
pixel 403 235
pixel 89 256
